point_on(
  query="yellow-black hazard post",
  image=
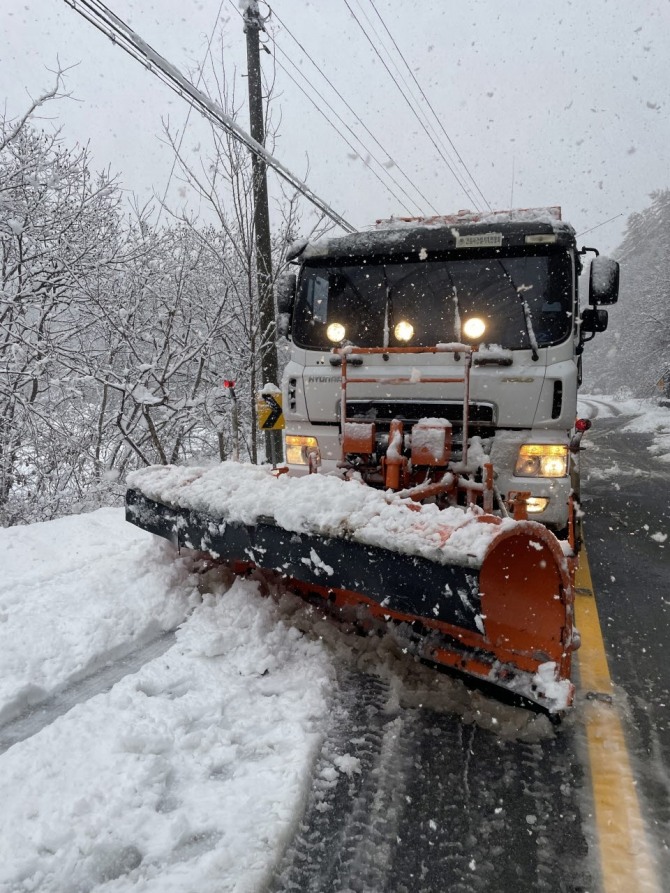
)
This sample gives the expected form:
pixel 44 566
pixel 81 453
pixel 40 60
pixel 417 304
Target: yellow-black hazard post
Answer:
pixel 270 414
pixel 269 411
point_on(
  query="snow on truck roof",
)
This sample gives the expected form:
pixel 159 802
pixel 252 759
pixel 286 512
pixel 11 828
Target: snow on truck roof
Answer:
pixel 548 214
pixel 465 229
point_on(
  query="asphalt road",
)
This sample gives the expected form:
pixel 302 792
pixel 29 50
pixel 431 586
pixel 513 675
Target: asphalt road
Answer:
pixel 441 804
pixel 626 499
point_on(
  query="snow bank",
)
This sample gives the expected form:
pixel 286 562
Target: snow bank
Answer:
pixel 189 775
pixel 192 773
pixel 649 417
pixel 654 420
pixel 76 592
pixel 325 505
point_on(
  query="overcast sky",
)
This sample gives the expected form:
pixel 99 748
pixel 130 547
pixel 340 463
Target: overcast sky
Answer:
pixel 546 103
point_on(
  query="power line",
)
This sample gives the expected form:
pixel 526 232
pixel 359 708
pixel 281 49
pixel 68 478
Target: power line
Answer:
pixel 415 103
pixel 598 225
pixel 414 111
pixel 120 33
pixel 335 128
pixel 342 136
pixel 428 103
pixel 401 76
pixel 188 115
pixel 355 115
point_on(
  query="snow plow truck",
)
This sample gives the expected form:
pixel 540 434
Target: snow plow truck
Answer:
pixel 432 444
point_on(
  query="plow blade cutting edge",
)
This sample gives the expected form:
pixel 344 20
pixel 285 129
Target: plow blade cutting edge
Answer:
pixel 504 617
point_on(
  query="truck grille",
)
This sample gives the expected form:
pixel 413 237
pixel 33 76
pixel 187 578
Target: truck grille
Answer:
pixel 482 415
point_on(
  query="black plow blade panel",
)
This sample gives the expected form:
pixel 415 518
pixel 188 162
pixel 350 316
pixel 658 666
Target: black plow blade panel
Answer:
pixel 408 584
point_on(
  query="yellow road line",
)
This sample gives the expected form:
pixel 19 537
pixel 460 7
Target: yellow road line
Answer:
pixel 626 858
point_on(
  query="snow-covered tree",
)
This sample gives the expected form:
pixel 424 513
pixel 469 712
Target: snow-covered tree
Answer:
pixel 115 334
pixel 166 329
pixel 117 331
pixel 59 226
pixel 634 353
pixel 645 255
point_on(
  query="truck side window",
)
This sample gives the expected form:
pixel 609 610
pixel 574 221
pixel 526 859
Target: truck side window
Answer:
pixel 316 299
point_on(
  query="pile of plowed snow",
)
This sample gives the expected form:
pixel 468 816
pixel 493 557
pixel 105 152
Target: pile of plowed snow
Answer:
pixel 323 504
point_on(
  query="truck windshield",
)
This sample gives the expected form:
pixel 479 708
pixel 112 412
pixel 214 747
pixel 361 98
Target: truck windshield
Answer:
pixel 376 302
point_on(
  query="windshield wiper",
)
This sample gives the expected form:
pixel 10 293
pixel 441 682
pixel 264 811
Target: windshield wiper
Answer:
pixel 527 318
pixel 388 315
pixel 529 323
pixel 457 314
pixel 457 306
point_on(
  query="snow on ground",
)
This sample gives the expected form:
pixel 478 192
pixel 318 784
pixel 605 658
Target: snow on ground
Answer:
pixel 192 773
pixel 186 775
pixel 74 595
pixel 649 417
pixel 655 421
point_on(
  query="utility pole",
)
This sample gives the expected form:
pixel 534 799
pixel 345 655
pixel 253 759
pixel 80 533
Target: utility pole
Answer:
pixel 253 23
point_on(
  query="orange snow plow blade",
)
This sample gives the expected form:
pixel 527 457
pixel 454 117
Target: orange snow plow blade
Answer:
pixel 525 586
pixel 489 598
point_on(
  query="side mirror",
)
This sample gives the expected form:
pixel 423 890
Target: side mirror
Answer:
pixel 285 292
pixel 283 325
pixel 594 321
pixel 603 281
pixel 285 287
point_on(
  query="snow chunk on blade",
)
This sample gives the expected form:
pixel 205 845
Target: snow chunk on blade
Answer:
pixel 324 505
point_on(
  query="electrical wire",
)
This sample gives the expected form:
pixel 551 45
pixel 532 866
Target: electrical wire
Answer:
pixel 359 120
pixel 415 104
pixel 392 60
pixel 429 104
pixel 188 115
pixel 598 225
pixel 411 105
pixel 343 137
pixel 102 18
pixel 335 128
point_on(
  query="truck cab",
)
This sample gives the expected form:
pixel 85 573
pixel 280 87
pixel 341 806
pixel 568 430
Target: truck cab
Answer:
pixel 505 285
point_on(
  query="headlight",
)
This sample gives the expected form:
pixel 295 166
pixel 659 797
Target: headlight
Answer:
pixel 336 332
pixel 298 449
pixel 535 504
pixel 542 460
pixel 474 328
pixel 404 331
